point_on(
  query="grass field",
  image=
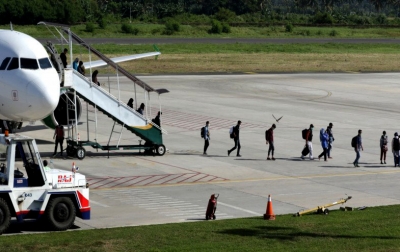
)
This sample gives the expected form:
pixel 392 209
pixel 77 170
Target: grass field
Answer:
pixel 373 229
pixel 215 58
pixel 156 30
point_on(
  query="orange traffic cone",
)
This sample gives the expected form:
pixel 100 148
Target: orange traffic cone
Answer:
pixel 73 167
pixel 269 215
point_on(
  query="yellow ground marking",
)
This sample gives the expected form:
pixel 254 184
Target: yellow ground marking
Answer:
pixel 260 179
pixel 250 72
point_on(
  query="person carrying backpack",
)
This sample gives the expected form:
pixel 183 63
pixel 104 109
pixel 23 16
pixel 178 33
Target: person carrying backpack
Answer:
pixel 384 147
pixel 357 148
pixel 324 138
pixel 206 136
pixel 307 135
pixel 269 138
pixel 235 135
pixel 395 149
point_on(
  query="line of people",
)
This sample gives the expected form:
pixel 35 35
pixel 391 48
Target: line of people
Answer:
pixel 325 136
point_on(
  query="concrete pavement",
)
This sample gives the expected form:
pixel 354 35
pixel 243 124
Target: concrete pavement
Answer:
pixel 132 189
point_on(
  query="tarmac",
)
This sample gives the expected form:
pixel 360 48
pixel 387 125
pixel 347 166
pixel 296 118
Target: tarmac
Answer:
pixel 129 188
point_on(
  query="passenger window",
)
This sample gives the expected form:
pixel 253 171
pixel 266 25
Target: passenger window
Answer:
pixel 29 63
pixel 5 63
pixel 14 64
pixel 45 63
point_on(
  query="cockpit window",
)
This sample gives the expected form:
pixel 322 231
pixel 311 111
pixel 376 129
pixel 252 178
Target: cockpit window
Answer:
pixel 44 63
pixel 5 63
pixel 14 64
pixel 29 63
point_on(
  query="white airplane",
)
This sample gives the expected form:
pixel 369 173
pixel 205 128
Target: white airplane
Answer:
pixel 29 83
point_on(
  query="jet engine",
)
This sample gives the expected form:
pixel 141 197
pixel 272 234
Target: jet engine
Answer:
pixel 64 114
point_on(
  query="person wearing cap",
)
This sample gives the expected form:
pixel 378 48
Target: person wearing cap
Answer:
pixel 308 139
pixel 75 64
pixel 235 134
pixel 395 149
pixel 384 147
pixel 269 138
pixel 358 148
pixel 331 139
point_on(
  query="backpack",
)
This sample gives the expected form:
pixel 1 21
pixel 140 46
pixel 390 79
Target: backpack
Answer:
pixel 202 132
pixel 231 132
pixel 354 142
pixel 396 144
pixel 304 133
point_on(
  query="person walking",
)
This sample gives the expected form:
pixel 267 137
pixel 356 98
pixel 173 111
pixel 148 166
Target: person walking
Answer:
pixel 308 137
pixel 384 147
pixel 59 136
pixel 269 138
pixel 358 148
pixel 206 136
pixel 63 57
pixel 395 149
pixel 331 139
pixel 324 138
pixel 235 136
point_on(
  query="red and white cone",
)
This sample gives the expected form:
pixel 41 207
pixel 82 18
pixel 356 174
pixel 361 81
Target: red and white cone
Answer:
pixel 269 215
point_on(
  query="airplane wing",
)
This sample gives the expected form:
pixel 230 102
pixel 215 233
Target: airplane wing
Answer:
pixel 101 63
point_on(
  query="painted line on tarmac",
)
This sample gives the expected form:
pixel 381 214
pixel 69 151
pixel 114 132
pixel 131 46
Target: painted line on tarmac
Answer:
pixel 258 180
pixel 239 208
pixel 97 203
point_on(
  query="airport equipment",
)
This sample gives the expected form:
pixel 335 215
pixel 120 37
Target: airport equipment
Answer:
pixel 28 190
pixel 269 213
pixel 212 207
pixel 324 208
pixel 76 87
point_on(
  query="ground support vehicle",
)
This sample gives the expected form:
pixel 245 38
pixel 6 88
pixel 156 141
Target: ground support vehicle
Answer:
pixel 28 190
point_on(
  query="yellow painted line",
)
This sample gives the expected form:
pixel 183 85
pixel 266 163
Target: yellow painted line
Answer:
pixel 258 179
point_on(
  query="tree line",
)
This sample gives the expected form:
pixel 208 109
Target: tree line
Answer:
pixel 78 11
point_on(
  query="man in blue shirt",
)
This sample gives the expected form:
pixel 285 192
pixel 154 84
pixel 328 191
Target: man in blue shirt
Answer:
pixel 206 134
pixel 358 148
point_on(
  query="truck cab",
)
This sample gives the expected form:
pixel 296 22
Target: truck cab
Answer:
pixel 28 190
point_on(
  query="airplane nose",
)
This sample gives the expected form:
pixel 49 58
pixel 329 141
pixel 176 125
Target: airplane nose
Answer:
pixel 44 95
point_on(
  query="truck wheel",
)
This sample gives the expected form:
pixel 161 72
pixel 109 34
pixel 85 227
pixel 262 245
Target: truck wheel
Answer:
pixel 60 213
pixel 70 151
pixel 160 149
pixel 5 216
pixel 80 153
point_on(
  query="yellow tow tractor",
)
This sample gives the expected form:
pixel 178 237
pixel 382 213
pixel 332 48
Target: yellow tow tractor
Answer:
pixel 322 209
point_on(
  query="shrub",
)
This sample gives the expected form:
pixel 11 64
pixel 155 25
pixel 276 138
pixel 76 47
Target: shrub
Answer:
pixel 102 23
pixel 333 33
pixel 127 28
pixel 381 19
pixel 226 28
pixel 89 27
pixel 225 15
pixel 172 25
pixel 288 27
pixel 319 33
pixel 323 18
pixel 216 27
pixel 155 31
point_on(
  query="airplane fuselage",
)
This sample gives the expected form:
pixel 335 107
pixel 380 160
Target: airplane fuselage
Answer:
pixel 29 84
